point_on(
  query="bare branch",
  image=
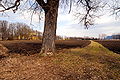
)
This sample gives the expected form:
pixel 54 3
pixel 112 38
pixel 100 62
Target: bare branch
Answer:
pixel 70 6
pixel 42 3
pixel 17 3
pixel 115 8
pixel 90 7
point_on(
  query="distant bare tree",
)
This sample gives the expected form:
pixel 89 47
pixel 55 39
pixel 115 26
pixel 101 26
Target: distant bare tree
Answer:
pixel 59 38
pixel 102 36
pixel 11 31
pixel 4 29
pixel 22 30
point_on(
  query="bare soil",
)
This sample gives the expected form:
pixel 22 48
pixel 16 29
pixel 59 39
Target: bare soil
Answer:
pixel 27 47
pixel 113 45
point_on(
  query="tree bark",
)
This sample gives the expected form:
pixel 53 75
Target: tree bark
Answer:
pixel 50 25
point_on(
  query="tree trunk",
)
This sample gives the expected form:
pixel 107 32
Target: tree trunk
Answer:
pixel 50 25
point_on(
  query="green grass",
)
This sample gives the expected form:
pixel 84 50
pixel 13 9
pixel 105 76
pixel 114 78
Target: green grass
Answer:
pixel 93 62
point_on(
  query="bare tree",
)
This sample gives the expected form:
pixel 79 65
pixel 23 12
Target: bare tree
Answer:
pixel 11 31
pixel 4 29
pixel 50 8
pixel 22 31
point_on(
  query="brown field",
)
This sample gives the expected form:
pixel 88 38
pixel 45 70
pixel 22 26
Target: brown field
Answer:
pixel 113 45
pixel 74 61
pixel 27 47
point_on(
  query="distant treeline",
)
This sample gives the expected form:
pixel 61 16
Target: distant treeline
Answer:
pixel 76 38
pixel 21 31
pixel 81 38
pixel 15 31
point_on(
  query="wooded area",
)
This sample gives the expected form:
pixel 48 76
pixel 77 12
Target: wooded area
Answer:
pixel 18 31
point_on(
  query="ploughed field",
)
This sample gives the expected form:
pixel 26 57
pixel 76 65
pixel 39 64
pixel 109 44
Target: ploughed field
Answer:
pixel 113 45
pixel 27 47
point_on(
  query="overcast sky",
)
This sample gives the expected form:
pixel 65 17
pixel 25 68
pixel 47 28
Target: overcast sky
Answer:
pixel 67 25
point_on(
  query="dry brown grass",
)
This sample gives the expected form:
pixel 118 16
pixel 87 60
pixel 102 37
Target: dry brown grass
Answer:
pixel 93 62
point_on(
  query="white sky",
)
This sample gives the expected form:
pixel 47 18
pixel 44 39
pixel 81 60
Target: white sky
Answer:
pixel 67 25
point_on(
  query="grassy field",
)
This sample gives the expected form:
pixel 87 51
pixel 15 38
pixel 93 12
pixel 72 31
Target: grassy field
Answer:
pixel 92 62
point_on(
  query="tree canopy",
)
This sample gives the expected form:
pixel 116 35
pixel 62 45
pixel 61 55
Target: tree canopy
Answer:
pixel 87 10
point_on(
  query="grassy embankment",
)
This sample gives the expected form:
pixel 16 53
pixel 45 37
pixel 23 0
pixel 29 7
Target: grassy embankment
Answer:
pixel 93 62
